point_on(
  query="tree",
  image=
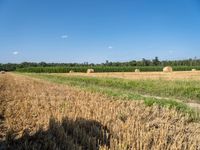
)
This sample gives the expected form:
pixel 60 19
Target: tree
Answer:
pixel 156 61
pixel 146 62
pixel 43 64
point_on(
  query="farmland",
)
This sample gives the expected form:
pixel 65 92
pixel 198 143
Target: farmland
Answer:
pixel 176 75
pixel 76 112
pixel 178 89
pixel 99 75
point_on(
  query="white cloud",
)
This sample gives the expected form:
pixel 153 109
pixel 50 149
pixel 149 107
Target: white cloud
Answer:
pixel 171 51
pixel 64 36
pixel 110 47
pixel 15 53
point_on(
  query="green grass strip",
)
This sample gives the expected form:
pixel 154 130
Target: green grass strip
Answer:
pixel 132 90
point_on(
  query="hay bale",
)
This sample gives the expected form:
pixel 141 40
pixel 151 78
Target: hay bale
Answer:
pixel 137 70
pixel 193 70
pixel 2 72
pixel 71 71
pixel 167 69
pixel 90 71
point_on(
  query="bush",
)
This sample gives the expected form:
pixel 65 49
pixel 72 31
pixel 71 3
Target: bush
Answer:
pixel 103 69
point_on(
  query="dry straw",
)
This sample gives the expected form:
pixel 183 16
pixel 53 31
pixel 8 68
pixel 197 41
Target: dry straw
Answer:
pixel 71 71
pixel 194 70
pixel 90 71
pixel 137 70
pixel 167 69
pixel 41 115
pixel 2 72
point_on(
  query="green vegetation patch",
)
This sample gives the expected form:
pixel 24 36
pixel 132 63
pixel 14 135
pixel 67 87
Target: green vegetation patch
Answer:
pixel 184 90
pixel 146 90
pixel 62 69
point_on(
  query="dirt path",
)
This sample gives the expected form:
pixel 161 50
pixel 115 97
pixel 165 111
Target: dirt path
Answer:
pixel 194 105
pixel 190 104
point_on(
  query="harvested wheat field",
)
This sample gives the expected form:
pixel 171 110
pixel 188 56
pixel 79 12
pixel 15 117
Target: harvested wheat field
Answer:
pixel 177 75
pixel 36 114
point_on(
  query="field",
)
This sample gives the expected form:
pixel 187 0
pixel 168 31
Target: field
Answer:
pixel 99 111
pixel 177 75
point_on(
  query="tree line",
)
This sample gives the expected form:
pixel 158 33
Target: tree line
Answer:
pixel 144 62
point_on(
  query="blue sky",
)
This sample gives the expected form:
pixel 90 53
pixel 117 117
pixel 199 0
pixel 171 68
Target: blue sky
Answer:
pixel 98 30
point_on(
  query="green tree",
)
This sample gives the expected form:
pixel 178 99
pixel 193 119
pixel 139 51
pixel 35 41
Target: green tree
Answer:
pixel 156 61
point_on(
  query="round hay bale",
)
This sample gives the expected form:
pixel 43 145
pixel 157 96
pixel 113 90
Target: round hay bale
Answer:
pixel 90 71
pixel 137 70
pixel 71 71
pixel 2 72
pixel 193 70
pixel 167 69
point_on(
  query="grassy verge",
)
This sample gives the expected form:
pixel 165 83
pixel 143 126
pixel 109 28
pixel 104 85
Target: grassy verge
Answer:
pixel 184 90
pixel 134 90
